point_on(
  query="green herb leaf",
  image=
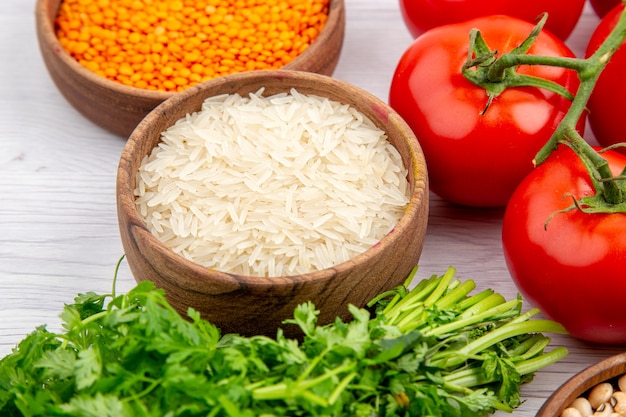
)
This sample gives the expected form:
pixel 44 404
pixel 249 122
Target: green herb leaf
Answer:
pixel 432 350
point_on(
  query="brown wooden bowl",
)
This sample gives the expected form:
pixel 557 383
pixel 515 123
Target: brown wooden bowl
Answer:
pixel 579 384
pixel 119 108
pixel 258 305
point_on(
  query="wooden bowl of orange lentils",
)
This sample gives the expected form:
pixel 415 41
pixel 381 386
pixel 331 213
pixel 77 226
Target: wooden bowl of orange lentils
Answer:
pixel 116 60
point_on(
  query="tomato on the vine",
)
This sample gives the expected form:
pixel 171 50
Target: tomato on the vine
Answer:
pixel 602 7
pixel 422 15
pixel 569 264
pixel 608 99
pixel 478 159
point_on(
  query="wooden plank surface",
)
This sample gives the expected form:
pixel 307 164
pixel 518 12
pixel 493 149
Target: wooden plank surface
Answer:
pixel 58 224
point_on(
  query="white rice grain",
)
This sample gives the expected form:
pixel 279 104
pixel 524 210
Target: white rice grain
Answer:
pixel 270 186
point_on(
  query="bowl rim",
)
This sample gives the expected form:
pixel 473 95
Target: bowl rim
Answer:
pixel 418 187
pixel 46 11
pixel 335 19
pixel 581 382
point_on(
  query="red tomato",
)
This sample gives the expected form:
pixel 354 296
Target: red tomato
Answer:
pixel 473 159
pixel 608 100
pixel 421 15
pixel 602 7
pixel 574 269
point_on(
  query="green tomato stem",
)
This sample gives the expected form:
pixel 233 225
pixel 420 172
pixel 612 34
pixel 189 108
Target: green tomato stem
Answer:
pixel 496 75
pixel 589 71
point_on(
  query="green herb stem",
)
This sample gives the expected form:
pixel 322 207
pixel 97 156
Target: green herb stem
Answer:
pixel 492 313
pixel 442 286
pixel 509 330
pixel 474 299
pixel 488 302
pixel 285 390
pixel 536 363
pixel 474 377
pixel 530 347
pixel 457 294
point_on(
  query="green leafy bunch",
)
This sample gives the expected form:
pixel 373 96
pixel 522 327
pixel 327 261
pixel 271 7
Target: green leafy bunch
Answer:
pixel 434 350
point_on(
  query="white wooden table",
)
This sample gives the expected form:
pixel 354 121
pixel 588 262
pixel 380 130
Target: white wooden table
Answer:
pixel 58 224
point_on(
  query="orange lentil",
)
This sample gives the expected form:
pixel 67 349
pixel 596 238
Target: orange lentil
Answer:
pixel 169 45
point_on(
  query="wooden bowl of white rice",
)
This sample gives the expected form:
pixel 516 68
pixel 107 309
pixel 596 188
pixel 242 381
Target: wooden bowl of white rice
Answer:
pixel 118 107
pixel 249 194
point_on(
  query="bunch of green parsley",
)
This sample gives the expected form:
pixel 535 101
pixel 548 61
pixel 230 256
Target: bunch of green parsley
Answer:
pixel 434 350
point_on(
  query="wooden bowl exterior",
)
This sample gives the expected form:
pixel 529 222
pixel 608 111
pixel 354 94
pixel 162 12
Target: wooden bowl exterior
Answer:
pixel 119 108
pixel 258 305
pixel 580 383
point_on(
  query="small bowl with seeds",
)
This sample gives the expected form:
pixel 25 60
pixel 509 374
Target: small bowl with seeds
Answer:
pixel 598 390
pixel 252 193
pixel 116 60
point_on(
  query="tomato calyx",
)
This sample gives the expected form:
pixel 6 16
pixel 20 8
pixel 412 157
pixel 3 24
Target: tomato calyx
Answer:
pixel 607 189
pixel 495 73
pixel 484 68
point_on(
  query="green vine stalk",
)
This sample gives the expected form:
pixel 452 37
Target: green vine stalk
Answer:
pixel 496 73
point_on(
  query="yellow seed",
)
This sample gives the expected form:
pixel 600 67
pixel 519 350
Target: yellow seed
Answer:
pixel 134 37
pixel 126 69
